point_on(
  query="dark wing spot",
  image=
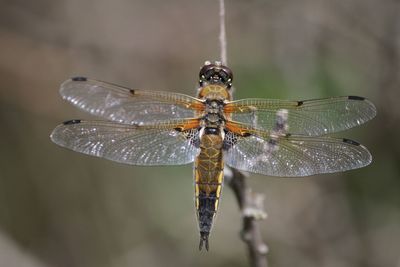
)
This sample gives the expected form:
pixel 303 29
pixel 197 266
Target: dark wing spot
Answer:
pixel 71 122
pixel 352 97
pixel 351 142
pixel 132 91
pixel 299 103
pixel 79 79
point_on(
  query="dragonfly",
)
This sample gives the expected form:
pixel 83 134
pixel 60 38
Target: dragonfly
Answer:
pixel 264 136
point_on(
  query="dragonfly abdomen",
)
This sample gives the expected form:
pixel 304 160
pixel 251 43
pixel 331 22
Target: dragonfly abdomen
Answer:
pixel 208 172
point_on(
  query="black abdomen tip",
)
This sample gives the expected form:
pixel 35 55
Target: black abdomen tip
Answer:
pixel 71 122
pixel 204 240
pixel 351 142
pixel 353 97
pixel 79 79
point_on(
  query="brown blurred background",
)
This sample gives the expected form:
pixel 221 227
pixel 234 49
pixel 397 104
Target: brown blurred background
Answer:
pixel 60 208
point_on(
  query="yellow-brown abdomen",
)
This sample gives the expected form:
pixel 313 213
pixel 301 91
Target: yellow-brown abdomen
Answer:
pixel 208 172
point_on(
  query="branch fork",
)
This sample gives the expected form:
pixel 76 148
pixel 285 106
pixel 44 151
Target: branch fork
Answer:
pixel 252 209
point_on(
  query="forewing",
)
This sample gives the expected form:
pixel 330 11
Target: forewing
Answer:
pixel 308 117
pixel 293 156
pixel 127 105
pixel 137 145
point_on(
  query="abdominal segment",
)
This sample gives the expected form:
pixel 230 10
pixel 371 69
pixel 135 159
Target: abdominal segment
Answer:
pixel 208 172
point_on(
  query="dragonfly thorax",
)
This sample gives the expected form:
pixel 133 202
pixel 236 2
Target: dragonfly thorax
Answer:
pixel 214 106
pixel 214 92
pixel 214 119
pixel 214 115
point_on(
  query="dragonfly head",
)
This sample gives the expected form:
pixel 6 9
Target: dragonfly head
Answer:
pixel 215 73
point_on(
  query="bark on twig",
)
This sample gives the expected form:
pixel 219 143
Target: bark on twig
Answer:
pixel 251 206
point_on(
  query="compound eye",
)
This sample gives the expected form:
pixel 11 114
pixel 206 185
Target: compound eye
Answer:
pixel 226 76
pixel 223 76
pixel 206 72
pixel 213 73
pixel 209 74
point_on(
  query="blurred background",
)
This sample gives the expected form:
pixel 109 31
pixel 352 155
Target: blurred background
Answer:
pixel 60 208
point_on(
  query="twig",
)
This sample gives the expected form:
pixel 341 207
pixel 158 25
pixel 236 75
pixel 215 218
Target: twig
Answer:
pixel 222 32
pixel 251 206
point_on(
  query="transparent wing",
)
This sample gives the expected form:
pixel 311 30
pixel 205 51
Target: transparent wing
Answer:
pixel 308 117
pixel 127 105
pixel 137 145
pixel 292 156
